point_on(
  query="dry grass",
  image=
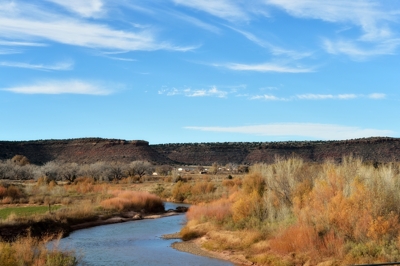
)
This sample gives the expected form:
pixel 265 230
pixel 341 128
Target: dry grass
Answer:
pixel 133 200
pixel 32 251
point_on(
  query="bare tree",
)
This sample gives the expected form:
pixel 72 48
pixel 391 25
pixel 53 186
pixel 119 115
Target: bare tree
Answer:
pixel 163 170
pixel 51 171
pixel 94 170
pixel 214 168
pixel 141 168
pixel 232 167
pixel 24 172
pixel 6 169
pixel 116 171
pixel 69 171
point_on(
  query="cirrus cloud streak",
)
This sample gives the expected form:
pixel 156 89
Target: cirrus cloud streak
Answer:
pixel 61 87
pixel 304 130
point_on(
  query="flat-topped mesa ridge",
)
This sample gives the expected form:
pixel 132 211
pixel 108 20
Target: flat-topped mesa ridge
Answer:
pixel 90 150
pixel 85 150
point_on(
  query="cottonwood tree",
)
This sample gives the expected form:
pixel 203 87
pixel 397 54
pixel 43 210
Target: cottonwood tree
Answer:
pixel 94 170
pixel 116 171
pixel 25 172
pixel 141 168
pixel 164 170
pixel 6 169
pixel 20 160
pixel 51 170
pixel 69 171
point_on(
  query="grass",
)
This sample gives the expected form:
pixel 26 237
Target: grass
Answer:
pixel 26 210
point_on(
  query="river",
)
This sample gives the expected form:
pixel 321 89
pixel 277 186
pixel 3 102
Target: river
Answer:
pixel 133 243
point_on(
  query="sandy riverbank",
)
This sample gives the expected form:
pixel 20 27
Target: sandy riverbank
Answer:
pixel 195 247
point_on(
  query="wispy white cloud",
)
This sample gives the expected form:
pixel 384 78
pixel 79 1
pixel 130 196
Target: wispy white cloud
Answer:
pixel 326 96
pixel 195 21
pixel 28 22
pixel 316 97
pixel 74 32
pixel 377 96
pixel 188 92
pixel 360 51
pixel 275 50
pixel 61 87
pixel 372 17
pixel 86 8
pixel 121 59
pixel 68 65
pixel 225 9
pixel 305 130
pixel 12 43
pixel 268 97
pixel 266 67
pixel 9 51
pixel 367 14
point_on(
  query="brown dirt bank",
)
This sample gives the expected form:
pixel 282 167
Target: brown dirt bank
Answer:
pixel 195 247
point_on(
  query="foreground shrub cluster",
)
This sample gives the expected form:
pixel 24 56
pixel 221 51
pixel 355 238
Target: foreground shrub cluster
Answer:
pixel 32 251
pixel 303 212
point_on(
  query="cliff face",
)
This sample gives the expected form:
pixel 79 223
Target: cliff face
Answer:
pixel 82 150
pixel 95 149
pixel 370 149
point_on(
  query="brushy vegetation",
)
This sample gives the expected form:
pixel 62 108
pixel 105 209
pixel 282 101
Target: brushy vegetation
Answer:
pixel 134 201
pixel 30 211
pixel 287 213
pixel 33 251
pixel 292 212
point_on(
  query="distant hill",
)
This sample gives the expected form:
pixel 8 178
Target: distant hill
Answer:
pixel 89 150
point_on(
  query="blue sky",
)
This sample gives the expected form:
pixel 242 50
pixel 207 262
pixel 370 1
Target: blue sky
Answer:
pixel 177 71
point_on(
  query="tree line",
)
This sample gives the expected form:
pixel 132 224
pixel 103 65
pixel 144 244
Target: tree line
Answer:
pixel 19 168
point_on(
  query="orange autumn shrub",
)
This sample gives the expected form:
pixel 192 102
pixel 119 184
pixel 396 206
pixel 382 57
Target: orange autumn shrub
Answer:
pixel 134 201
pixel 217 211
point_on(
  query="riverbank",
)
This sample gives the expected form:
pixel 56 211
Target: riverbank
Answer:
pixel 124 217
pixel 51 225
pixel 195 247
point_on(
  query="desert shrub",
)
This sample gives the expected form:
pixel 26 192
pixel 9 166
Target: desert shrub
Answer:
pixel 11 194
pixel 218 211
pixel 32 251
pixel 181 191
pixel 228 183
pixel 202 188
pixel 133 200
pixel 188 233
pixel 254 182
pixel 348 210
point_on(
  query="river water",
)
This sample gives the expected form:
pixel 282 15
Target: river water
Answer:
pixel 133 243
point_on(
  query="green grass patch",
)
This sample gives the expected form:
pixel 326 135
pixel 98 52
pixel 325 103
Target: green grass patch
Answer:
pixel 26 211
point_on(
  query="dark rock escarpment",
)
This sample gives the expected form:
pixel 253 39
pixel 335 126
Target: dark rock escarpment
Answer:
pixel 90 150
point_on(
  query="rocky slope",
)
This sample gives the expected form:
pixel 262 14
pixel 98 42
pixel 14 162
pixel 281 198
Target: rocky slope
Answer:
pixel 90 150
